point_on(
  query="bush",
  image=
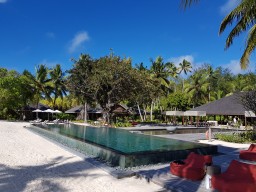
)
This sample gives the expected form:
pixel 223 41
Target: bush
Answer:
pixel 245 137
pixel 120 124
pixel 65 116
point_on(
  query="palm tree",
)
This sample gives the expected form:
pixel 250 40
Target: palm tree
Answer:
pixel 162 72
pixel 197 88
pixel 40 83
pixel 159 70
pixel 186 67
pixel 58 83
pixel 245 17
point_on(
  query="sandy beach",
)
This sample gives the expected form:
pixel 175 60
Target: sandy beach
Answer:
pixel 29 162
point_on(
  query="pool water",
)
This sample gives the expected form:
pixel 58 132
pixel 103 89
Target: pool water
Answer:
pixel 122 147
pixel 120 140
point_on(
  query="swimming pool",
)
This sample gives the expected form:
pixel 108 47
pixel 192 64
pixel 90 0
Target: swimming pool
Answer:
pixel 121 147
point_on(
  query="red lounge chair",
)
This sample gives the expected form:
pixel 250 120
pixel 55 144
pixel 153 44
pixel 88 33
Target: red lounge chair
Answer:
pixel 238 177
pixel 249 154
pixel 192 168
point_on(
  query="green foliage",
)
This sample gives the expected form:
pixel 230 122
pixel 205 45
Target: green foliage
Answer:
pixel 177 101
pixel 14 93
pixel 65 116
pixel 122 124
pixel 57 83
pixel 236 137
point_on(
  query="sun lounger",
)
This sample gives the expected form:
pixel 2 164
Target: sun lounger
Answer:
pixel 238 177
pixel 249 154
pixel 192 168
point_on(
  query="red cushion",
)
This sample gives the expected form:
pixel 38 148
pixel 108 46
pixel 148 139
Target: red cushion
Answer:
pixel 194 167
pixel 249 154
pixel 252 147
pixel 238 177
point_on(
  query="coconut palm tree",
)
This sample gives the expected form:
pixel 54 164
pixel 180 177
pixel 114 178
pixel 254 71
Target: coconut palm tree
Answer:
pixel 197 88
pixel 58 83
pixel 40 83
pixel 245 17
pixel 186 67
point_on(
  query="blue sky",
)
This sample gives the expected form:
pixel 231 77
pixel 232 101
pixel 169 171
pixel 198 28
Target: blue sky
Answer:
pixel 54 31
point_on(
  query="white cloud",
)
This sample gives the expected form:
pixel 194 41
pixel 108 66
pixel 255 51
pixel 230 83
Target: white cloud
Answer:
pixel 229 6
pixel 177 60
pixel 77 41
pixel 190 58
pixel 3 1
pixel 234 66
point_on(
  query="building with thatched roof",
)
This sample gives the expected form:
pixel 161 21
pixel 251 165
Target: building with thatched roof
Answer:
pixel 26 112
pixel 93 113
pixel 226 106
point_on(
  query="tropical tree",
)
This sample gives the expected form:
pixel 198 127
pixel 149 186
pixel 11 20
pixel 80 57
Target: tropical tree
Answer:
pixel 80 80
pixel 244 15
pixel 197 89
pixel 58 83
pixel 40 83
pixel 184 66
pixel 162 72
pixel 14 93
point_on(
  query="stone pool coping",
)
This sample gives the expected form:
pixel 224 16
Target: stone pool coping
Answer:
pixel 118 159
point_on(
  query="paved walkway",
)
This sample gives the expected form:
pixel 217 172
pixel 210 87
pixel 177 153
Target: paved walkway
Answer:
pixel 161 174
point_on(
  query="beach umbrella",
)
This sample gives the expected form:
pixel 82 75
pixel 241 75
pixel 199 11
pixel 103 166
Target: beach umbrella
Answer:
pixel 48 111
pixel 36 111
pixel 57 111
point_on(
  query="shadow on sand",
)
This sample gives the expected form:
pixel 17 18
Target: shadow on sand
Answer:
pixel 43 177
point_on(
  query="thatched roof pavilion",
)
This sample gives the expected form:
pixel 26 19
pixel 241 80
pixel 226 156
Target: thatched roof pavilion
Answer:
pixel 226 106
pixel 229 105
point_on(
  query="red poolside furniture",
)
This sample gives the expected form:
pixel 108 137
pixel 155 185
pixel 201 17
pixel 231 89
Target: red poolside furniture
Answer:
pixel 249 154
pixel 192 168
pixel 239 177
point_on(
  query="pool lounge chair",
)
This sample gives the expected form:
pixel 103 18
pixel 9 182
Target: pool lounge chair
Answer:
pixel 238 177
pixel 249 154
pixel 192 168
pixel 36 121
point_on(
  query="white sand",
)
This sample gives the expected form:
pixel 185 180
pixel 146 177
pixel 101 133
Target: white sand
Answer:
pixel 29 162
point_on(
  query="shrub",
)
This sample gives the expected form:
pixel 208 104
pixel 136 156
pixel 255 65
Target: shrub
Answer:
pixel 121 124
pixel 245 137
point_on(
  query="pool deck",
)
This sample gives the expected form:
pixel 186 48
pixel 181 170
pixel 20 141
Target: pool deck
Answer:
pixel 160 174
pixel 41 161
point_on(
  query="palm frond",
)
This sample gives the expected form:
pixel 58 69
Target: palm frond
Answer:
pixel 188 3
pixel 241 26
pixel 251 43
pixel 245 9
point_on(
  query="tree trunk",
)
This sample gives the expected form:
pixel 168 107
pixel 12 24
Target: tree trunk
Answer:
pixel 145 113
pixel 140 112
pixel 182 85
pixel 85 112
pixel 151 111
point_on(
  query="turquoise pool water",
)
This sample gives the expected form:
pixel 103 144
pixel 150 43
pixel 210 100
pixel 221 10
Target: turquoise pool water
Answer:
pixel 120 140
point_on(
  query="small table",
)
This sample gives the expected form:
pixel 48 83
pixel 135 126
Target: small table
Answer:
pixel 213 170
pixel 210 171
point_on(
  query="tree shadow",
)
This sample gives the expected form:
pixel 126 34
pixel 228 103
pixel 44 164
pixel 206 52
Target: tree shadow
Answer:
pixel 170 182
pixel 43 176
